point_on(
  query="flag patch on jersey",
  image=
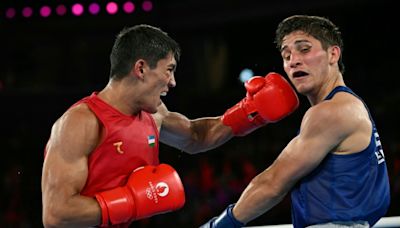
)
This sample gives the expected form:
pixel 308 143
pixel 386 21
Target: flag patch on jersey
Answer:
pixel 151 140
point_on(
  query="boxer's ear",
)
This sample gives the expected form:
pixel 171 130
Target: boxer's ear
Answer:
pixel 138 68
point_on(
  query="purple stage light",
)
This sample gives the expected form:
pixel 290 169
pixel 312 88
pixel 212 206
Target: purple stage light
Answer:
pixel 27 11
pixel 61 10
pixel 147 6
pixel 129 7
pixel 112 8
pixel 45 11
pixel 94 8
pixel 10 13
pixel 77 9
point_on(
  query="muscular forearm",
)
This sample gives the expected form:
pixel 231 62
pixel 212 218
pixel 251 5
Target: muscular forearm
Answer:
pixel 78 211
pixel 259 197
pixel 208 133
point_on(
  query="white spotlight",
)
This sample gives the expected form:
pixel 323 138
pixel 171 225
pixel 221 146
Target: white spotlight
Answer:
pixel 245 75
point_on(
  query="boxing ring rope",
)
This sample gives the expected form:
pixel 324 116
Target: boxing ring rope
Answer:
pixel 384 222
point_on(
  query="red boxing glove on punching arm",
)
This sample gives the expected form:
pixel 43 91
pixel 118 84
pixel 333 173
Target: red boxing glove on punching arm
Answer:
pixel 268 100
pixel 150 190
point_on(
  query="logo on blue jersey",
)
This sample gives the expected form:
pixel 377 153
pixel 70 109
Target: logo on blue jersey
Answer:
pixel 380 156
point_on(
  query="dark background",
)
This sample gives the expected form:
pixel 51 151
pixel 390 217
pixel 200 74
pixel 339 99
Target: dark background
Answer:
pixel 49 63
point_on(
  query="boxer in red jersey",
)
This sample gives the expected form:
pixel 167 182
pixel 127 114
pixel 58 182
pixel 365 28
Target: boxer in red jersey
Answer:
pixel 101 164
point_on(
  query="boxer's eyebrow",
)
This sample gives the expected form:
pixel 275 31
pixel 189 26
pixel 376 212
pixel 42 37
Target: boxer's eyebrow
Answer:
pixel 283 48
pixel 172 66
pixel 296 43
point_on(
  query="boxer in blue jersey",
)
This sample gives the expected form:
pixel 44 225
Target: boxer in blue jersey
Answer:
pixel 335 167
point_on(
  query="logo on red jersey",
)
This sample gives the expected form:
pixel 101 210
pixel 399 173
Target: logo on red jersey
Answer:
pixel 118 146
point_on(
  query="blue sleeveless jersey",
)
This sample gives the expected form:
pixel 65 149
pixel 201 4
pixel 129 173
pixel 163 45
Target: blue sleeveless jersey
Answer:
pixel 349 187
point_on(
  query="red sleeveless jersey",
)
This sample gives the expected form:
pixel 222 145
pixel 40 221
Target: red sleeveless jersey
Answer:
pixel 129 142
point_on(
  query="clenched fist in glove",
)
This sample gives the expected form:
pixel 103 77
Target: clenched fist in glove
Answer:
pixel 268 100
pixel 150 190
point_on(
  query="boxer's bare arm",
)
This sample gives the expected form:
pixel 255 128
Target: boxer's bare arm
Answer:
pixel 252 112
pixel 191 136
pixel 65 171
pixel 324 130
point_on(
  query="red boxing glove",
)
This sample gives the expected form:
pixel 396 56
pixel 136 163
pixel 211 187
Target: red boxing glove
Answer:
pixel 268 100
pixel 150 190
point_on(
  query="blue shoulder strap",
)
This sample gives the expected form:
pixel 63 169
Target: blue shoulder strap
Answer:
pixel 348 90
pixel 340 89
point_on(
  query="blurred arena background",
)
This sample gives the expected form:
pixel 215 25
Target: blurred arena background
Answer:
pixel 51 56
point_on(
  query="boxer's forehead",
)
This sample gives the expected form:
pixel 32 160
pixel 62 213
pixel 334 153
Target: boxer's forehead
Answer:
pixel 296 38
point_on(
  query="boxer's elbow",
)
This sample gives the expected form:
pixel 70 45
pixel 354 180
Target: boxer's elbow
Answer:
pixel 50 220
pixel 54 217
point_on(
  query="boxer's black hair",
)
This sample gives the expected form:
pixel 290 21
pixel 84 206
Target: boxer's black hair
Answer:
pixel 140 42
